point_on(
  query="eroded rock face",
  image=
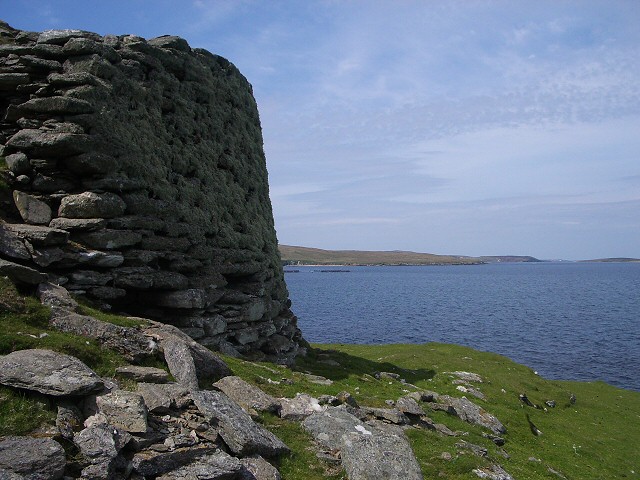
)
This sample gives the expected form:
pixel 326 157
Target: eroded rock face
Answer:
pixel 33 458
pixel 48 372
pixel 148 155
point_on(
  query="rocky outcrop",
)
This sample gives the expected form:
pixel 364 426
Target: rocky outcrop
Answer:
pixel 135 176
pixel 162 431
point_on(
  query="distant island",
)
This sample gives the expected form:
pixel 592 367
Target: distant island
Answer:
pixel 613 260
pixel 295 255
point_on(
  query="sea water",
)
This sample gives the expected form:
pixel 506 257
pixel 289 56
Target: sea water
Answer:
pixel 571 321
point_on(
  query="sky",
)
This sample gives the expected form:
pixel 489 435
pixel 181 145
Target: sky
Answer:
pixel 450 127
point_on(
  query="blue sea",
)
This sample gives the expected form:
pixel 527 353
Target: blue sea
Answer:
pixel 569 321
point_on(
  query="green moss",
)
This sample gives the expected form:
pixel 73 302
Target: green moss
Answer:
pixel 21 414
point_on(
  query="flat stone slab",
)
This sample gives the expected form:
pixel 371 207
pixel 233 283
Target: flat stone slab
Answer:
pixel 143 374
pixel 241 434
pixel 329 426
pixel 218 466
pixel 31 458
pixel 130 342
pixel 48 372
pixel 21 274
pixel 151 464
pixel 246 395
pixel 161 398
pixel 375 454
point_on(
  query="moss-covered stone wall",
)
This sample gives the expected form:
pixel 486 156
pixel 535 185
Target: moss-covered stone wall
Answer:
pixel 134 174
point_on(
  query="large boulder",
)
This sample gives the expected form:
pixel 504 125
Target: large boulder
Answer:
pixel 48 372
pixel 32 458
pixel 241 434
pixel 379 453
pixel 329 426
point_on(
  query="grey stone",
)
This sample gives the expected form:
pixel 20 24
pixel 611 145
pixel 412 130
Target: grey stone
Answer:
pixel 180 362
pixel 68 420
pixel 96 258
pixel 129 342
pixel 39 234
pixel 209 367
pixel 48 372
pixel 71 79
pixel 101 444
pixel 379 454
pixel 299 407
pixel 32 210
pixel 257 468
pixel 408 405
pixel 33 458
pixel 110 239
pixel 161 398
pixel 143 374
pixel 389 414
pixel 217 466
pixel 55 296
pixel 329 426
pixel 170 41
pixel 90 278
pixel 9 81
pixel 92 205
pixel 18 163
pixel 152 464
pixel 60 37
pixel 125 410
pixel 77 224
pixel 191 298
pixel 44 143
pixel 21 274
pixel 469 412
pixel 11 245
pixel 55 105
pixel 241 434
pixel 246 395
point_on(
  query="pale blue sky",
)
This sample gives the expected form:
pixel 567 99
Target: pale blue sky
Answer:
pixel 452 127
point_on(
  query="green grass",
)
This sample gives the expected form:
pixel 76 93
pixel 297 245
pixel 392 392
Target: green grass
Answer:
pixel 598 437
pixel 24 324
pixel 595 438
pixel 86 308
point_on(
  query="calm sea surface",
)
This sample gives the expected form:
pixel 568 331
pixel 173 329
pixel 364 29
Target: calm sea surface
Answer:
pixel 571 321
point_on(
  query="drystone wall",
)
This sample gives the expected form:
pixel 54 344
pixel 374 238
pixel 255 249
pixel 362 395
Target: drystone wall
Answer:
pixel 135 175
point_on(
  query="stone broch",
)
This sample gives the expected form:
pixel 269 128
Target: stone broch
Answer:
pixel 141 164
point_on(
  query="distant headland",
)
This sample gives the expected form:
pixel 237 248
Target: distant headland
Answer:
pixel 295 255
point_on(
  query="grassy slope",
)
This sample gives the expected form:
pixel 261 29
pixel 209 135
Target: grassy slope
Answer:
pixel 598 437
pixel 595 438
pixel 316 256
